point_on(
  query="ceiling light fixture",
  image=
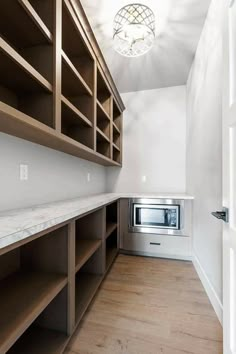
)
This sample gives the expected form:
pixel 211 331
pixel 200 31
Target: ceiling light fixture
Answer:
pixel 134 30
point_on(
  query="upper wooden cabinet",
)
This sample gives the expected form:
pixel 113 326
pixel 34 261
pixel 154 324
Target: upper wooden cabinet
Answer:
pixel 55 87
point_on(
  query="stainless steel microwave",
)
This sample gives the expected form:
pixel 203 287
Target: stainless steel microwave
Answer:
pixel 163 216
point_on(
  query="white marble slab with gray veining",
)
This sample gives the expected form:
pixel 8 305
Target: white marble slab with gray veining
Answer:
pixel 20 224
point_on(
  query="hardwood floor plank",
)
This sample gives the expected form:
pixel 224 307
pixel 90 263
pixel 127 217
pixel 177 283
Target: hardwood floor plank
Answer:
pixel 149 306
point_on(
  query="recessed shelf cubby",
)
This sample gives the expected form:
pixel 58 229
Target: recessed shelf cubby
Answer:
pixel 103 93
pixel 111 233
pixel 26 36
pixel 117 115
pixel 103 144
pixel 88 237
pixel 75 48
pixel 47 334
pixel 36 278
pixel 87 281
pixel 45 10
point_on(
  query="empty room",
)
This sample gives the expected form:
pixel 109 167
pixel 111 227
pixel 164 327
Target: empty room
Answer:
pixel 118 177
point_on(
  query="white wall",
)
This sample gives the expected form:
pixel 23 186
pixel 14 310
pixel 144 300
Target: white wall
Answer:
pixel 154 142
pixel 52 175
pixel 204 152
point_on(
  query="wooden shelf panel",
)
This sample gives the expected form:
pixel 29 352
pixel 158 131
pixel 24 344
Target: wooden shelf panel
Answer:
pixel 86 287
pixel 21 25
pixel 46 12
pixel 103 93
pixel 102 113
pixel 17 73
pixel 36 18
pixel 84 250
pixel 110 228
pixel 74 45
pixel 72 81
pixel 37 340
pixel 34 292
pixel 111 254
pixel 71 112
pixel 116 147
pixel 101 137
pixel 116 128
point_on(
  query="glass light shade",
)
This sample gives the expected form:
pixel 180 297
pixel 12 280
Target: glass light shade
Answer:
pixel 134 30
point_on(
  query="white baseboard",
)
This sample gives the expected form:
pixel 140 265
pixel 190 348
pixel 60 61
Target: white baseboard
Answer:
pixel 212 295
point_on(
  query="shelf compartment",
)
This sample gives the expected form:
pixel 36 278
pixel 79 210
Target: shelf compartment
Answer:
pixel 73 82
pixel 102 137
pixel 116 138
pixel 103 121
pixel 75 128
pixel 29 29
pixel 116 155
pixel 39 340
pixel 117 116
pixel 111 248
pixel 116 147
pixel 75 47
pixel 34 291
pixel 71 112
pixel 103 144
pixel 112 213
pixel 19 40
pixel 110 227
pixel 103 93
pixel 84 250
pixel 36 277
pixel 45 10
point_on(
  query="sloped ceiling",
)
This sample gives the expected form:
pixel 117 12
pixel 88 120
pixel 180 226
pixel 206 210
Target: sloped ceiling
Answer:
pixel 178 27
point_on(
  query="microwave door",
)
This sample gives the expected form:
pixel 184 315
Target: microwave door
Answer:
pixel 150 217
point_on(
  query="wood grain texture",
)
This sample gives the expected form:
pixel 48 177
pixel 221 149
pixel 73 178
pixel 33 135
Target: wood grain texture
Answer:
pixel 149 306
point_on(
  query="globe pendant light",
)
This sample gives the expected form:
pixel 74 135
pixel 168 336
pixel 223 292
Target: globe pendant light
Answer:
pixel 134 30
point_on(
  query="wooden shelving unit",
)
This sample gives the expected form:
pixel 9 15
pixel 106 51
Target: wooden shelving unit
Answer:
pixel 111 233
pixel 43 298
pixel 52 77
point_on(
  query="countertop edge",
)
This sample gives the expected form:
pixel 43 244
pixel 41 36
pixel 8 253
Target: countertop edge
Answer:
pixel 19 219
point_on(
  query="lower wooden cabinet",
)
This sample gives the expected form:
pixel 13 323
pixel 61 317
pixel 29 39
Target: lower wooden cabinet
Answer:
pixel 47 284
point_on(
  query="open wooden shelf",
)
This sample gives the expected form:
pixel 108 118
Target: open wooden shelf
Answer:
pixel 37 340
pixel 74 46
pixel 29 39
pixel 34 291
pixel 116 147
pixel 86 287
pixel 84 250
pixel 48 73
pixel 73 82
pixel 110 227
pixel 111 254
pixel 75 125
pixel 45 10
pixel 103 120
pixel 117 116
pixel 103 93
pixel 116 139
pixel 103 144
pixel 69 111
pixel 21 23
pixel 116 155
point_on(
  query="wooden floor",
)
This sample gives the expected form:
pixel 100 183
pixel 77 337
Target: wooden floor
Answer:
pixel 149 306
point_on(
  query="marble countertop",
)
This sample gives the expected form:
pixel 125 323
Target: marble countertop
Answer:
pixel 20 224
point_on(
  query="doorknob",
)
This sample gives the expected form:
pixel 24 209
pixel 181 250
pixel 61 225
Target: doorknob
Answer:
pixel 222 215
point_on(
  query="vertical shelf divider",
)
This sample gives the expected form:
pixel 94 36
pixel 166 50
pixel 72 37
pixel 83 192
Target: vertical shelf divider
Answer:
pixel 58 64
pixel 95 107
pixel 71 278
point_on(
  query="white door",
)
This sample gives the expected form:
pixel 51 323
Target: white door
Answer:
pixel 229 178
